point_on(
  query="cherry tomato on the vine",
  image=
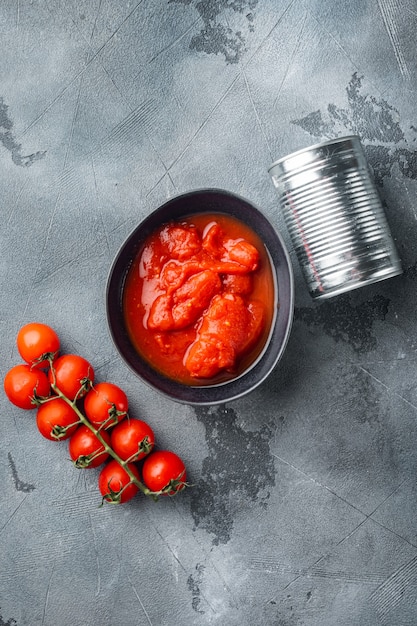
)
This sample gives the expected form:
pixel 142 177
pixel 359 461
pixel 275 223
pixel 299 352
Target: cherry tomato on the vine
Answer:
pixel 164 471
pixel 114 482
pixel 105 405
pixel 86 450
pixel 36 343
pixel 56 420
pixel 23 385
pixel 73 375
pixel 132 439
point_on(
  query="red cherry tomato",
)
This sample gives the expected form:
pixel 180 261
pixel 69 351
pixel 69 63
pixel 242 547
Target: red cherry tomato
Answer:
pixel 56 420
pixel 22 384
pixel 164 471
pixel 86 450
pixel 114 483
pixel 132 439
pixel 36 342
pixel 73 375
pixel 105 405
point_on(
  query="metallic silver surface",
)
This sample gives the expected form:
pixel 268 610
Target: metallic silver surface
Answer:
pixel 335 217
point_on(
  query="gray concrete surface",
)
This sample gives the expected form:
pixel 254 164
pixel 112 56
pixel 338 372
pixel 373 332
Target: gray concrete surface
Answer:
pixel 303 510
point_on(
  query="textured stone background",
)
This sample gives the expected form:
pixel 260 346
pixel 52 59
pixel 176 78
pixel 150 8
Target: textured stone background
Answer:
pixel 304 507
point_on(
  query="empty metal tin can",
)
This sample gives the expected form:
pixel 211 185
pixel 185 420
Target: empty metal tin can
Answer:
pixel 334 217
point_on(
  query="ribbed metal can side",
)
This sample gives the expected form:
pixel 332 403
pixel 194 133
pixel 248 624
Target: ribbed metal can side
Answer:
pixel 334 216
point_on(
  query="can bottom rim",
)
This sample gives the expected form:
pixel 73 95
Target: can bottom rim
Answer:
pixel 375 278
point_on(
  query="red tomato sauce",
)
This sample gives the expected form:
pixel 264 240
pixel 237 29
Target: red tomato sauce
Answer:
pixel 199 299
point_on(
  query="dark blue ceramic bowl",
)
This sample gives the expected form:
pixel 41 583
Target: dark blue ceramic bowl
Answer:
pixel 210 201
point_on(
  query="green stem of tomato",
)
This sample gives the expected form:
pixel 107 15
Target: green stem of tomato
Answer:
pixel 108 449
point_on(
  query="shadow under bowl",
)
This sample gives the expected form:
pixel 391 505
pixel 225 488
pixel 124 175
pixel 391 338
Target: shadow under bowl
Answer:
pixel 204 201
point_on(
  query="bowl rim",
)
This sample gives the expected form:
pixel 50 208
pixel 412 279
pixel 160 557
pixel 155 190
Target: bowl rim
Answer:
pixel 227 391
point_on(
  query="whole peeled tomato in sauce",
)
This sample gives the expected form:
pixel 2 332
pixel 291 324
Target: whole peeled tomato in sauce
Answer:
pixel 228 329
pixel 199 298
